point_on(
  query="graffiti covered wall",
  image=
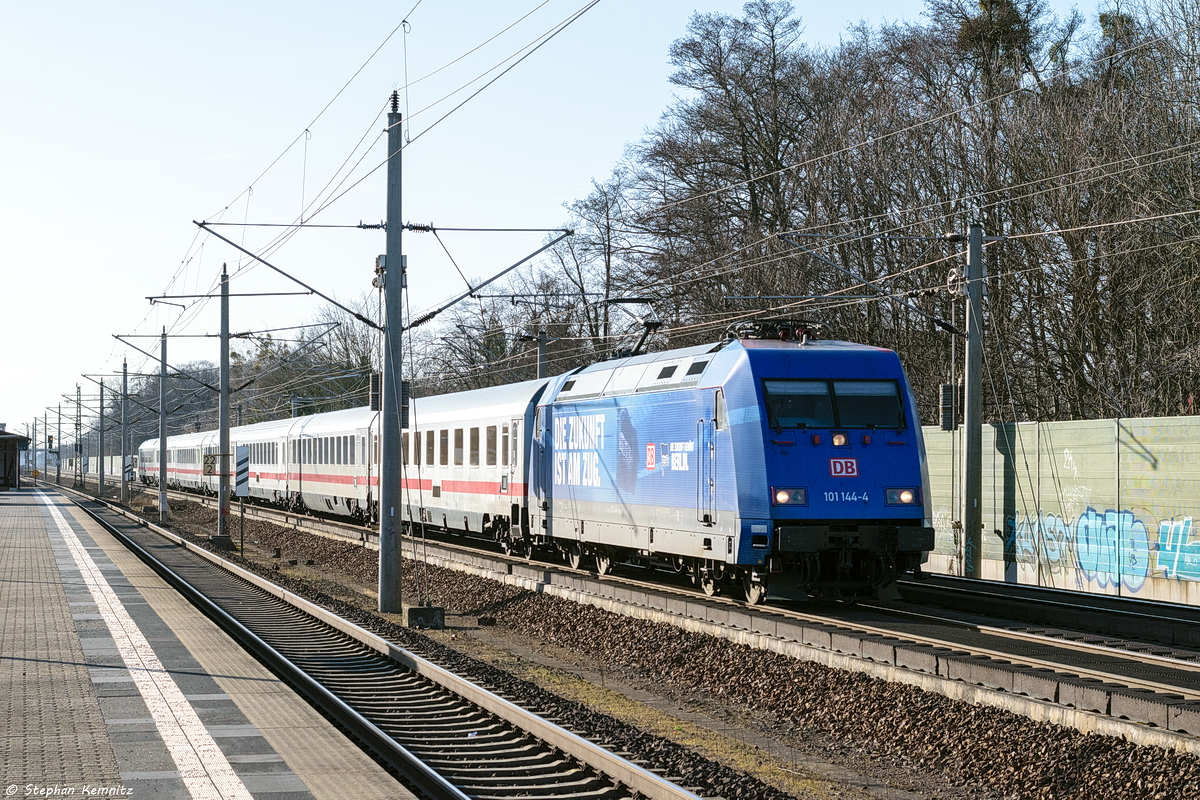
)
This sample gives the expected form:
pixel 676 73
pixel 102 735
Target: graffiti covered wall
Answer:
pixel 1100 505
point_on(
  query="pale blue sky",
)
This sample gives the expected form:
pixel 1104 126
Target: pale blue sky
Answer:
pixel 122 122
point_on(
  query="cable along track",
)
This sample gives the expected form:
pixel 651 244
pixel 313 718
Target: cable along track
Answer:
pixel 462 739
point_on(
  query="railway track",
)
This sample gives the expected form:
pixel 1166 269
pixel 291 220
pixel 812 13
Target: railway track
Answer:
pixel 449 738
pixel 1141 679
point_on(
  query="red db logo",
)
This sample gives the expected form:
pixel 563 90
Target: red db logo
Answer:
pixel 650 459
pixel 843 467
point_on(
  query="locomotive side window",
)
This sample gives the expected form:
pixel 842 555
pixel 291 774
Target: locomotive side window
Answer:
pixel 474 462
pixel 868 404
pixel 798 404
pixel 458 447
pixel 490 445
pixel 719 422
pixel 444 447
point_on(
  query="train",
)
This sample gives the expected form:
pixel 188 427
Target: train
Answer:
pixel 774 460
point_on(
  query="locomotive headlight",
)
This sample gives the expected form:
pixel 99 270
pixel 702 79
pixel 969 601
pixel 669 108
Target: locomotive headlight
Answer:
pixel 840 440
pixel 903 497
pixel 789 497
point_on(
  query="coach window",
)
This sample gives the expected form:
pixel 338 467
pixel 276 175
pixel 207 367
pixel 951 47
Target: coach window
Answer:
pixel 404 448
pixel 429 448
pixel 352 438
pixel 458 447
pixel 474 462
pixel 504 445
pixel 339 446
pixel 491 445
pixel 443 447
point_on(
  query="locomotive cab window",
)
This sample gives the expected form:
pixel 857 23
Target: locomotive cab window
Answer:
pixel 798 404
pixel 868 404
pixel 833 404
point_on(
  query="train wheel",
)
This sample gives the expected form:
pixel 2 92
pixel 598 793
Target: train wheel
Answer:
pixel 756 591
pixel 708 578
pixel 575 556
pixel 604 563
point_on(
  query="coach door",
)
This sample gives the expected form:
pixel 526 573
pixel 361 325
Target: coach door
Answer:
pixel 538 470
pixel 512 480
pixel 706 487
pixel 706 461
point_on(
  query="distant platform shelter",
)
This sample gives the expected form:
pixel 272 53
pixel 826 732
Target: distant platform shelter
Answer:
pixel 11 445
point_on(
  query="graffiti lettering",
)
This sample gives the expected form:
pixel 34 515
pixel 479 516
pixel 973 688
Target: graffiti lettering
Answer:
pixel 1112 547
pixel 1178 557
pixel 1106 547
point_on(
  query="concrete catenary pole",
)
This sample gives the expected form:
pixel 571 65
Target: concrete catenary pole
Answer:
pixel 58 452
pixel 100 446
pixel 78 437
pixel 972 515
pixel 125 431
pixel 223 417
pixel 162 429
pixel 33 439
pixel 390 467
pixel 541 344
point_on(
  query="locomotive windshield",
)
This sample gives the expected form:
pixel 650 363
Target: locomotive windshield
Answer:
pixel 832 404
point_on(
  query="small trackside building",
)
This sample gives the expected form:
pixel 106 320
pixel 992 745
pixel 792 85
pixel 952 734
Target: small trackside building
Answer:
pixel 11 445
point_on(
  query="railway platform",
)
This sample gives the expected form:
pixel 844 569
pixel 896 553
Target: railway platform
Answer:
pixel 113 685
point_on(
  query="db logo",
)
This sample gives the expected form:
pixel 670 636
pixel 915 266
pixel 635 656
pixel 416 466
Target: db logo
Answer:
pixel 843 467
pixel 651 461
